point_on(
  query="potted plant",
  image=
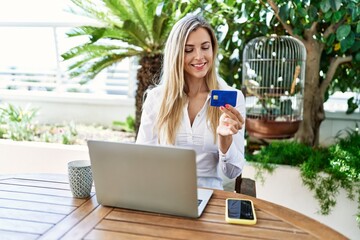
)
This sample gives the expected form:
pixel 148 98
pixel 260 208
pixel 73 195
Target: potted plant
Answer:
pixel 323 170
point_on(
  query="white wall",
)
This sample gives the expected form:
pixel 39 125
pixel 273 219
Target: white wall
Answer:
pixel 335 117
pixel 36 157
pixel 334 122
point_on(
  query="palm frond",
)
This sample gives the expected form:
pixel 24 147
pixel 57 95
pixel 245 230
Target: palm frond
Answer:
pixel 136 12
pixel 96 33
pixel 158 26
pixel 96 67
pixel 141 17
pixel 119 34
pixel 98 51
pixel 129 28
pixel 171 11
pixel 119 8
pixel 89 69
pixel 128 10
pixel 81 31
pixel 138 35
pixel 152 7
pixel 86 49
pixel 95 9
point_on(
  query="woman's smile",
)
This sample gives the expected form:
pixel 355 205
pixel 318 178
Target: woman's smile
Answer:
pixel 199 66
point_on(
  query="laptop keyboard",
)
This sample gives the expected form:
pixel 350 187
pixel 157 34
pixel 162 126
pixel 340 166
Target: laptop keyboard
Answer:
pixel 199 202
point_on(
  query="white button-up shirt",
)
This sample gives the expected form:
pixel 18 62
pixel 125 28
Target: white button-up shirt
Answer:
pixel 209 159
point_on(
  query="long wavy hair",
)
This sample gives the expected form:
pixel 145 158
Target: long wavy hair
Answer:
pixel 174 98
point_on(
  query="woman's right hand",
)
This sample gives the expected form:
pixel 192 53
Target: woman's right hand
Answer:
pixel 230 122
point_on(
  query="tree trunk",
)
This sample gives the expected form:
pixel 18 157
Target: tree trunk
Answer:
pixel 147 75
pixel 313 108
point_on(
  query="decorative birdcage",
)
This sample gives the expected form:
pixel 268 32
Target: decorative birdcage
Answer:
pixel 273 82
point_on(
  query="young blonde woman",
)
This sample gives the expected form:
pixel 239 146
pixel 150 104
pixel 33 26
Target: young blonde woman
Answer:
pixel 178 111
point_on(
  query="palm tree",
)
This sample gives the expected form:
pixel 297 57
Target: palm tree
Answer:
pixel 127 28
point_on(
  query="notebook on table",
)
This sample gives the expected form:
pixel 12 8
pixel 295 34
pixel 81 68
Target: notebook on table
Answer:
pixel 152 178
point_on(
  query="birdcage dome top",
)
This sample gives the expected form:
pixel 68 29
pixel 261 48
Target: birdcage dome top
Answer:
pixel 274 48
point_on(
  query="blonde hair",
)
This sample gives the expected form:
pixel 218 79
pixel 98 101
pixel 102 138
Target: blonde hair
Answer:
pixel 174 98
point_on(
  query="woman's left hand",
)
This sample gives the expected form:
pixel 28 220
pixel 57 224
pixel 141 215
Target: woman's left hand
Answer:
pixel 230 122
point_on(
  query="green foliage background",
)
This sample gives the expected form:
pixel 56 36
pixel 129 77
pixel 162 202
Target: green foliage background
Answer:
pixel 237 22
pixel 324 170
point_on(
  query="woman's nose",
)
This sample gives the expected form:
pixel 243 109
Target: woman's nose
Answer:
pixel 199 54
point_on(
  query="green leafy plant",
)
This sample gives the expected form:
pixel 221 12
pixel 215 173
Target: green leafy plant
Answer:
pixel 324 170
pixel 128 125
pixel 71 135
pixel 65 134
pixel 329 30
pixel 282 152
pixel 278 152
pixel 338 168
pixel 17 122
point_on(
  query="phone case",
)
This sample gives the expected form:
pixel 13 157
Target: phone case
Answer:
pixel 222 97
pixel 245 209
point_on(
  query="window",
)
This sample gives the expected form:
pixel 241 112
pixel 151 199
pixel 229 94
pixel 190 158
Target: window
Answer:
pixel 31 44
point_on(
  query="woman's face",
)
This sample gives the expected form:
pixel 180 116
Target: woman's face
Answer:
pixel 198 54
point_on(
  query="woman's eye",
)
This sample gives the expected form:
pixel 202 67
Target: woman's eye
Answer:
pixel 188 50
pixel 205 48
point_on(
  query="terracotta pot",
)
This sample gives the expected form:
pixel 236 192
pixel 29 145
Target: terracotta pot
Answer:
pixel 271 129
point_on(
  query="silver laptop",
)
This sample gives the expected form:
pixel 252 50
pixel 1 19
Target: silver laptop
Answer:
pixel 147 177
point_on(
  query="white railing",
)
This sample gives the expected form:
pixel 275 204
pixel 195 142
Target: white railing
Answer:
pixel 115 80
pixel 31 46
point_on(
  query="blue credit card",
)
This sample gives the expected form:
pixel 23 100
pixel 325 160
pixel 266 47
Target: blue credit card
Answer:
pixel 222 97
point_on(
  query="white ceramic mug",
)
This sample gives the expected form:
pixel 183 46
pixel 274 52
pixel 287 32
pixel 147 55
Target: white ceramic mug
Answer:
pixel 80 178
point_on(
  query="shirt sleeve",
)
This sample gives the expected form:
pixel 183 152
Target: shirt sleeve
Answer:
pixel 147 134
pixel 233 161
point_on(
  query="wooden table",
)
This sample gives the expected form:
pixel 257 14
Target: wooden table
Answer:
pixel 41 207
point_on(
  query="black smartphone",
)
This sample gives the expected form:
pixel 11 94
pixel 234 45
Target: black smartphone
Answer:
pixel 222 97
pixel 240 211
